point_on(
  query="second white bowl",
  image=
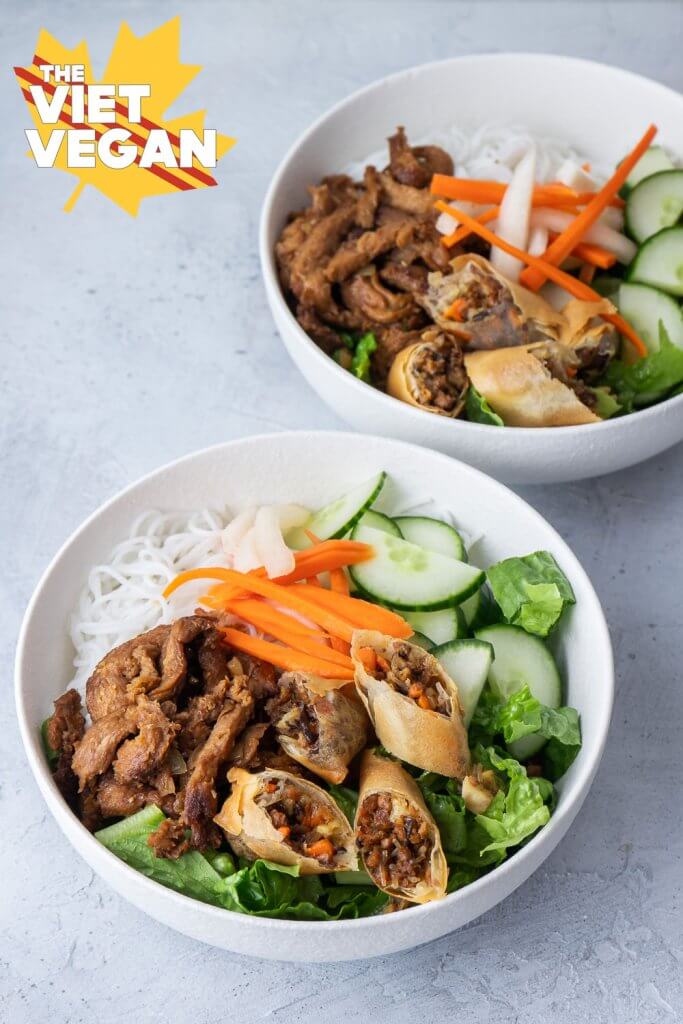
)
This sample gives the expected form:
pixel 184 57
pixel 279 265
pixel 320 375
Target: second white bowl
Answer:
pixel 598 109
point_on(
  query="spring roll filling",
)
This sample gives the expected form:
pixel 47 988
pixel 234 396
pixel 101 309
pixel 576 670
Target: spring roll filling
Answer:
pixel 437 374
pixel 486 305
pixel 405 669
pixel 394 840
pixel 293 714
pixel 304 822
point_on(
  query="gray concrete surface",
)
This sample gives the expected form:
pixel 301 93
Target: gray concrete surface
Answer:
pixel 126 343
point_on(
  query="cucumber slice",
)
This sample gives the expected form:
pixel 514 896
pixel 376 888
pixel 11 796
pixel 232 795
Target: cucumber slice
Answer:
pixel 644 307
pixel 340 516
pixel 656 203
pixel 468 663
pixel 408 577
pixel 659 262
pixel 471 608
pixel 520 658
pixel 440 627
pixel 433 535
pixel 651 162
pixel 378 521
pixel 420 640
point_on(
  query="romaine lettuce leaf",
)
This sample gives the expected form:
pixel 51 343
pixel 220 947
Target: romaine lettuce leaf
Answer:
pixel 261 888
pixel 346 799
pixel 521 715
pixel 649 379
pixel 478 410
pixel 515 814
pixel 531 591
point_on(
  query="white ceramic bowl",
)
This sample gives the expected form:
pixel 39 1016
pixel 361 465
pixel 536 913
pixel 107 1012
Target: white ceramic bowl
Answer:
pixel 312 468
pixel 599 109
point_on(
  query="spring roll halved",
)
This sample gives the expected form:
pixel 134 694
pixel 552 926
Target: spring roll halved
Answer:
pixel 288 820
pixel 396 835
pixel 412 702
pixel 430 374
pixel 490 312
pixel 519 385
pixel 320 723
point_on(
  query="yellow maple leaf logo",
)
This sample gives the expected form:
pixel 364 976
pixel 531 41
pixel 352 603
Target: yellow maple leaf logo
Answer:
pixel 153 59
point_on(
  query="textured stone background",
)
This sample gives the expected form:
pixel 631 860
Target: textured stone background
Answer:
pixel 125 344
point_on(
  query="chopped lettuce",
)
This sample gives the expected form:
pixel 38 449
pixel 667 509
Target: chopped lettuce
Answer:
pixel 606 405
pixel 649 379
pixel 532 591
pixel 523 715
pixel 261 888
pixel 346 799
pixel 517 812
pixel 360 364
pixel 478 410
pixel 475 843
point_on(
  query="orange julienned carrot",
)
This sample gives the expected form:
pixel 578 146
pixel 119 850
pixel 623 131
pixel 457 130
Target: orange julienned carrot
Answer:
pixel 487 193
pixel 361 614
pixel 285 657
pixel 328 555
pixel 565 242
pixel 339 585
pixel 461 233
pixel 587 273
pixel 300 642
pixel 576 288
pixel 259 612
pixel 595 255
pixel 331 622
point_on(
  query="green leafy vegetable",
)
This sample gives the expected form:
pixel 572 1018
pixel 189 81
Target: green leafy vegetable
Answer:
pixel 191 874
pixel 260 888
pixel 523 715
pixel 346 799
pixel 478 410
pixel 51 754
pixel 360 364
pixel 649 379
pixel 512 816
pixel 606 404
pixel 531 592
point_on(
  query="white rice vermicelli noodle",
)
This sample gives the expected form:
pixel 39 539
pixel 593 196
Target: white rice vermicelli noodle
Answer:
pixel 490 151
pixel 122 597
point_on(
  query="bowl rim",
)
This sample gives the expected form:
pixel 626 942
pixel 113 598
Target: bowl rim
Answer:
pixel 344 378
pixel 566 810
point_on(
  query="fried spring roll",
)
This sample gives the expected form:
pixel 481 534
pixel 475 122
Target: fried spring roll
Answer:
pixel 396 835
pixel 319 723
pixel 430 374
pixel 518 385
pixel 487 311
pixel 287 820
pixel 412 703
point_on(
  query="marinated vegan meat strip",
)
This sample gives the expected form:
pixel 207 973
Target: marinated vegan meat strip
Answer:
pixel 415 165
pixel 408 672
pixel 153 733
pixel 394 840
pixel 157 663
pixel 377 304
pixel 305 824
pixel 65 728
pixel 201 794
